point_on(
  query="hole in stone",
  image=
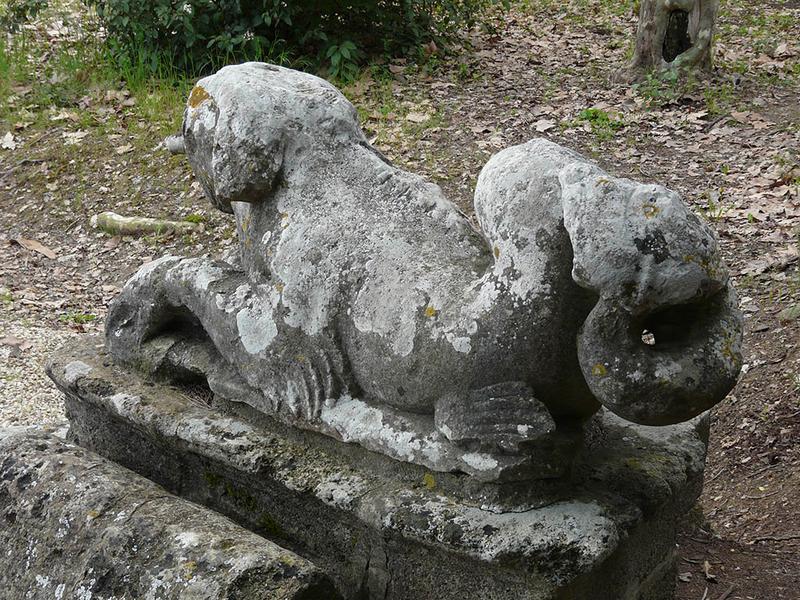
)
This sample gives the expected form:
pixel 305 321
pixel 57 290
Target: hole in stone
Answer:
pixel 676 39
pixel 675 328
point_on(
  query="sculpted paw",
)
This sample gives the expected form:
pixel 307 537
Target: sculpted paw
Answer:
pixel 499 418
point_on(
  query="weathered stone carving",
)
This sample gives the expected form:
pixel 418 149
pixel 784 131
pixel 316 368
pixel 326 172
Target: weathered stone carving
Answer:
pixel 363 304
pixel 78 526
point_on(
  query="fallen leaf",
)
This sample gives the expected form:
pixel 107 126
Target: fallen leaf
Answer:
pixel 74 137
pixel 35 247
pixel 15 342
pixel 8 142
pixel 543 125
pixel 66 115
pixel 417 117
pixel 707 571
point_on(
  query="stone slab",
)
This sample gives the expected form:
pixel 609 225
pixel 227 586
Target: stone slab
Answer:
pixel 608 533
pixel 75 525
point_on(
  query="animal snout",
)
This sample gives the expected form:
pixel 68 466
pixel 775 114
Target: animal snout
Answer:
pixel 665 366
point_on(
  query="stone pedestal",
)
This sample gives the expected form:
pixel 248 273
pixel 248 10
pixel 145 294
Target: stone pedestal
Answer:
pixel 77 526
pixel 382 529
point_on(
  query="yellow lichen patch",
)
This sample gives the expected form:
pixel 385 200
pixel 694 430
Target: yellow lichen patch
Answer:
pixel 189 569
pixel 711 267
pixel 650 210
pixel 496 252
pixel 198 96
pixel 431 312
pixel 429 481
pixel 727 349
pixel 599 370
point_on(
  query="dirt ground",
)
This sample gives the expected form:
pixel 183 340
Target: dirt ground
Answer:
pixel 729 143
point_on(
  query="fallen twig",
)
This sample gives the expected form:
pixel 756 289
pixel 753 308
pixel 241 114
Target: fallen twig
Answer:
pixel 762 497
pixel 726 593
pixel 115 224
pixel 776 538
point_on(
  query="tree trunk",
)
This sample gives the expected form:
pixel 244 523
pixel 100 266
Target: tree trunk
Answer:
pixel 672 34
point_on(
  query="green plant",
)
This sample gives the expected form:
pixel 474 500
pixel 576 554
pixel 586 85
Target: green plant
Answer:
pixel 79 318
pixel 343 61
pixel 198 35
pixel 15 13
pixel 661 88
pixel 603 126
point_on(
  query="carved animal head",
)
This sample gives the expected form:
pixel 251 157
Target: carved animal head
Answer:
pixel 248 124
pixel 656 269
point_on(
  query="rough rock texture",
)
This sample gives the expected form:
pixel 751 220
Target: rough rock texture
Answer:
pixel 76 526
pixel 363 304
pixel 399 532
pixel 672 34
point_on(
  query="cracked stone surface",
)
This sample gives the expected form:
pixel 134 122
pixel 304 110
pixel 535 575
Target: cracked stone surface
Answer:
pixel 384 533
pixel 363 304
pixel 76 525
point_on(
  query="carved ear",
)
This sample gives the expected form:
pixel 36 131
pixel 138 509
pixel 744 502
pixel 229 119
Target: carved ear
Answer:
pixel 638 244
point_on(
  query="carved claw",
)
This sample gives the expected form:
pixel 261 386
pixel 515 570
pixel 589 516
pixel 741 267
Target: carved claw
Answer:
pixel 501 417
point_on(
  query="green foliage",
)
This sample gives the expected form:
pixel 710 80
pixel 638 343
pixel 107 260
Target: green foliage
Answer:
pixel 343 59
pixel 15 13
pixel 603 126
pixel 79 318
pixel 197 35
pixel 660 88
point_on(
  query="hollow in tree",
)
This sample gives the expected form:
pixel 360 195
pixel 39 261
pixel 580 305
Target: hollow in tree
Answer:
pixel 672 34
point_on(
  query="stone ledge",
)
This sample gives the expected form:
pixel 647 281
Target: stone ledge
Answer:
pixel 379 537
pixel 76 525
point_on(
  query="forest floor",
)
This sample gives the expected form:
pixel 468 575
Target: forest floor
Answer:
pixel 74 143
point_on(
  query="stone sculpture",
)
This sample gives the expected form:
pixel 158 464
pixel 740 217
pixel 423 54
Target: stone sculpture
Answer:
pixel 364 305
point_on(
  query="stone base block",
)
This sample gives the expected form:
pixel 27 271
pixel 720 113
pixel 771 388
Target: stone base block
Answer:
pixel 608 532
pixel 75 525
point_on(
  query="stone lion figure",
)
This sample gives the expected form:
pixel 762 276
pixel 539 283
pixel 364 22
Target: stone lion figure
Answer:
pixel 363 302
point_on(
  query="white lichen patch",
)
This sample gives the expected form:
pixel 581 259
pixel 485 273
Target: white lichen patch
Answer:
pixel 202 274
pixel 75 370
pixel 122 402
pixel 480 461
pixel 146 269
pixel 256 326
pixel 188 539
pixel 232 302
